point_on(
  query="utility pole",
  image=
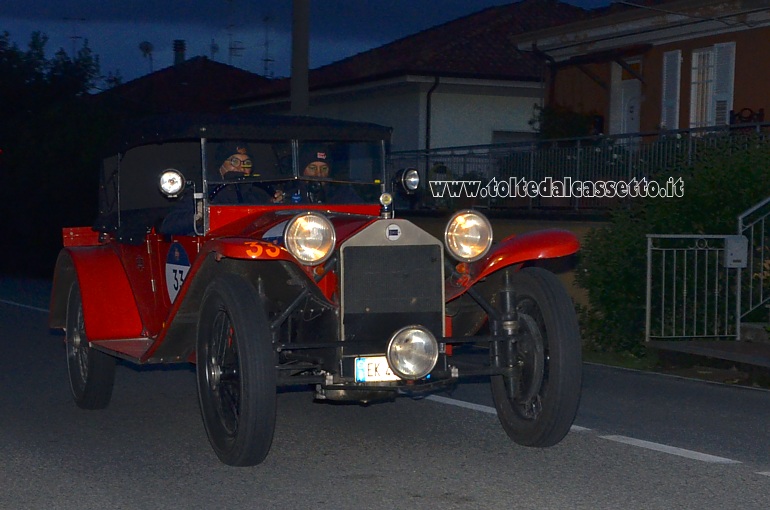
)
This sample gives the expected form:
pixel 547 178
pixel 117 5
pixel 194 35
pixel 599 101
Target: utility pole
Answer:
pixel 300 57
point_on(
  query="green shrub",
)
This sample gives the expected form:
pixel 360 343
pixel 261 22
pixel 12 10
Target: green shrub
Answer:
pixel 559 122
pixel 725 180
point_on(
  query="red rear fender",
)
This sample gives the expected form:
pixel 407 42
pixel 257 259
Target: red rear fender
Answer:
pixel 109 307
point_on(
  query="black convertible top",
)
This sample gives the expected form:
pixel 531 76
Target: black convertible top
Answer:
pixel 247 126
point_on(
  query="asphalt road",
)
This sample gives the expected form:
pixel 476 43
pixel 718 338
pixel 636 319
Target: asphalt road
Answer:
pixel 641 441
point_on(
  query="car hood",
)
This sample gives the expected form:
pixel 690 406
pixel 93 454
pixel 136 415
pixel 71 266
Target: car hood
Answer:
pixel 270 226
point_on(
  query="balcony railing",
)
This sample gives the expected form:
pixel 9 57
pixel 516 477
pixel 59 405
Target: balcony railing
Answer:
pixel 559 165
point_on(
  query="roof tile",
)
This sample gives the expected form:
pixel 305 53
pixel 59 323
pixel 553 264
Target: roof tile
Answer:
pixel 477 45
pixel 195 85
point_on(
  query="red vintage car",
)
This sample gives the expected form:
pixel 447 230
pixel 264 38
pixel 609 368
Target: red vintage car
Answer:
pixel 266 251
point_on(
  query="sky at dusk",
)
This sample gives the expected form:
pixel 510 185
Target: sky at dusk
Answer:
pixel 115 30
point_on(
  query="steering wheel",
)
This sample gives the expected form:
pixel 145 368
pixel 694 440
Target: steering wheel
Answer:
pixel 214 192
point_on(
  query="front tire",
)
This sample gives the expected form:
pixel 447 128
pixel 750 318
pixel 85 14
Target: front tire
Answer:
pixel 91 372
pixel 538 403
pixel 236 372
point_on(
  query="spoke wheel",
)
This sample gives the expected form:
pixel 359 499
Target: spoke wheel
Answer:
pixel 537 404
pixel 236 372
pixel 91 372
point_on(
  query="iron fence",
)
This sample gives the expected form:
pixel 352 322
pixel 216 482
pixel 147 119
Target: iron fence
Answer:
pixel 693 286
pixel 560 166
pixel 755 280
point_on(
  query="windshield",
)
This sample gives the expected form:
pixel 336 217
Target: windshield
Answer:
pixel 242 172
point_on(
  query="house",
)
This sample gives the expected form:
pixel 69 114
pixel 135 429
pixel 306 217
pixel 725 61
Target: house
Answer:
pixel 460 83
pixel 195 85
pixel 650 65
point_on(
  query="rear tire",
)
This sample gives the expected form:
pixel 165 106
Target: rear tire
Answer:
pixel 236 372
pixel 537 406
pixel 91 372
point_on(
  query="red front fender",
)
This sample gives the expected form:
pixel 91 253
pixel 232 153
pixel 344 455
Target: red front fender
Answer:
pixel 541 244
pixel 249 249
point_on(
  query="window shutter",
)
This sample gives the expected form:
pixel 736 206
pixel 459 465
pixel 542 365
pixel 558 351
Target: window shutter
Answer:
pixel 669 111
pixel 723 82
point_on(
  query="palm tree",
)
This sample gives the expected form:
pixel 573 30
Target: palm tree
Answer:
pixel 146 48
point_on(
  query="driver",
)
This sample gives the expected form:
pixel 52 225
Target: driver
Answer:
pixel 238 163
pixel 235 166
pixel 187 213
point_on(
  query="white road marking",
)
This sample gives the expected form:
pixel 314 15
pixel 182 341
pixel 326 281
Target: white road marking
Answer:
pixel 460 403
pixel 763 473
pixel 672 450
pixel 20 305
pixel 482 408
pixel 704 457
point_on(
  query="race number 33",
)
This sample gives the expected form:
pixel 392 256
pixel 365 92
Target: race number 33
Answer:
pixel 177 267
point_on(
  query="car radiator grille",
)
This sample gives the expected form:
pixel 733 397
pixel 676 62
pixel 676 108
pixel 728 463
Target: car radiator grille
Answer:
pixel 387 287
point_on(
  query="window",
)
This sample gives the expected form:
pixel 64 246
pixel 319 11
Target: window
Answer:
pixel 711 85
pixel 701 87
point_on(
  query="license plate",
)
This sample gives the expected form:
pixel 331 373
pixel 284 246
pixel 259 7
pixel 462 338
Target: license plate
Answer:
pixel 374 369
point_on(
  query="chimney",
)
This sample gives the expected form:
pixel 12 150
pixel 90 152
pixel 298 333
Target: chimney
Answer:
pixel 179 48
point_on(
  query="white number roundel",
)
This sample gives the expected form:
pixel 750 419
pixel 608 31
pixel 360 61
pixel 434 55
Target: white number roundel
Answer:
pixel 177 267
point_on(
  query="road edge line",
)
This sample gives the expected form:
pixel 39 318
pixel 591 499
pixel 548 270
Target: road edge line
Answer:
pixel 672 450
pixel 21 305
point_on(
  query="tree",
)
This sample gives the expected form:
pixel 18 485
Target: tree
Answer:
pixel 49 136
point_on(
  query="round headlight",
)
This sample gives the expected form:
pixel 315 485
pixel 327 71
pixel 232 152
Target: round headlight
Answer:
pixel 171 182
pixel 412 352
pixel 468 235
pixel 411 179
pixel 310 237
pixel 408 179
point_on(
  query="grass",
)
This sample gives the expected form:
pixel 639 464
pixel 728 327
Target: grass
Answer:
pixel 621 359
pixel 684 365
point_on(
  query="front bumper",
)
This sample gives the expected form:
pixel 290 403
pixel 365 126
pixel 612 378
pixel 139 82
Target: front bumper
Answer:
pixel 373 392
pixel 444 377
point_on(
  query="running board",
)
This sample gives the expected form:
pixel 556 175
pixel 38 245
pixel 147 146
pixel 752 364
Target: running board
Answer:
pixel 131 349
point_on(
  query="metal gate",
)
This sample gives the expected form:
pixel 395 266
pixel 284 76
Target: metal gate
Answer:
pixel 694 287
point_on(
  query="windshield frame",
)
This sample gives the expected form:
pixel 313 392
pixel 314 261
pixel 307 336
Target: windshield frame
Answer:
pixel 209 168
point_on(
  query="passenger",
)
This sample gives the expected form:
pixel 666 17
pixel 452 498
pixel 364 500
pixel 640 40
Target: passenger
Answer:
pixel 314 161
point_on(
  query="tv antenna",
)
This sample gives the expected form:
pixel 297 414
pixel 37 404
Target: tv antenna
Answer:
pixel 234 48
pixel 267 62
pixel 75 37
